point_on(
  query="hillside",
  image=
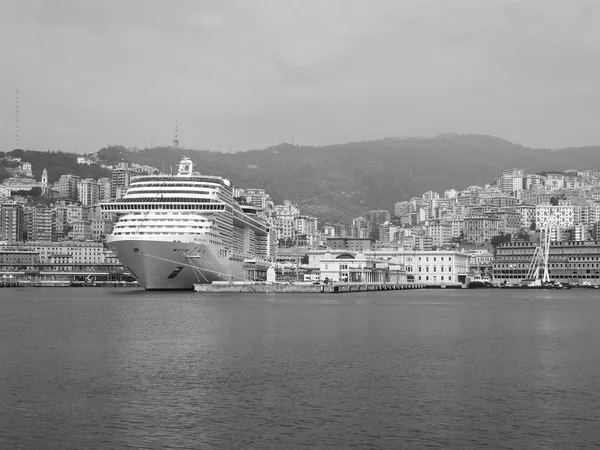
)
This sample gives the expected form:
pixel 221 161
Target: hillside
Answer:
pixel 339 182
pixel 57 164
pixel 346 180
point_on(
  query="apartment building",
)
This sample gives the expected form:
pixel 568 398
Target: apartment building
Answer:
pixel 12 223
pixel 563 214
pixel 480 229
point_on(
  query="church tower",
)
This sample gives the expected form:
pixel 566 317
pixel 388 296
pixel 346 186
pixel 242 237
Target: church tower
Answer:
pixel 45 178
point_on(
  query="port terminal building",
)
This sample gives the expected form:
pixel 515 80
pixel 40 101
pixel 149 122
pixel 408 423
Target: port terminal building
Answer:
pixel 568 262
pixel 424 267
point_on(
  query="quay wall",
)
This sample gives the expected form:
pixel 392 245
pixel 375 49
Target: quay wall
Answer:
pixel 293 288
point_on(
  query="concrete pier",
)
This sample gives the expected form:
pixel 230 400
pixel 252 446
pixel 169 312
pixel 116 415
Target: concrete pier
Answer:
pixel 296 288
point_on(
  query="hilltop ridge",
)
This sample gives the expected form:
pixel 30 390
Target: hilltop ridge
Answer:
pixel 343 181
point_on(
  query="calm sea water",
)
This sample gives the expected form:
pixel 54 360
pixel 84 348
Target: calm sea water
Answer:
pixel 95 368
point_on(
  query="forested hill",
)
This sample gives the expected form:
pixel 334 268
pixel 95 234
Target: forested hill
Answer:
pixel 346 180
pixel 57 164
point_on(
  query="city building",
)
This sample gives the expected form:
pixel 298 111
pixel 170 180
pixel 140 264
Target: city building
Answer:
pixel 350 267
pixel 42 224
pixel 104 190
pixel 439 231
pixel 435 266
pixel 562 214
pixel 479 230
pixel 257 197
pixel 82 230
pixel 88 192
pixel 12 223
pixel 119 181
pixel 571 261
pixel 67 187
pixel 350 244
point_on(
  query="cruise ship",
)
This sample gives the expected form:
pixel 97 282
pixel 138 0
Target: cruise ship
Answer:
pixel 174 231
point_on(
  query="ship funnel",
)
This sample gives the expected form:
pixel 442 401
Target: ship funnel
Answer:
pixel 186 167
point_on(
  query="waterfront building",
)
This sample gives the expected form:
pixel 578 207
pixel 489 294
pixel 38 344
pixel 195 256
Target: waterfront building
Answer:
pixel 18 257
pixel 569 261
pixel 481 263
pixel 12 223
pixel 435 266
pixel 350 267
pixel 80 252
pixel 424 267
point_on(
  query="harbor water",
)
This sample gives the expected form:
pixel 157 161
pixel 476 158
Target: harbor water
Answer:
pixel 125 368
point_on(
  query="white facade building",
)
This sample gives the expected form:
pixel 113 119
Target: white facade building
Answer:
pixel 563 214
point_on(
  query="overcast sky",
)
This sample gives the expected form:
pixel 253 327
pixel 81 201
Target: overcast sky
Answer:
pixel 247 73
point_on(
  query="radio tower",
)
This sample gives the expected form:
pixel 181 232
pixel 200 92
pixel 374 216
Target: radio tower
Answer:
pixel 176 136
pixel 17 121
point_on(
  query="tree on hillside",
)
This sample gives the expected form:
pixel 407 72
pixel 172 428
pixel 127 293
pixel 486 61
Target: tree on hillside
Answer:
pixel 113 154
pixel 522 236
pixel 500 239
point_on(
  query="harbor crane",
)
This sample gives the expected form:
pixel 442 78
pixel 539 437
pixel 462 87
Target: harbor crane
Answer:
pixel 538 272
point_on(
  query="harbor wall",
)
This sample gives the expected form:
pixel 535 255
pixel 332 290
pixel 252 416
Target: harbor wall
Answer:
pixel 295 288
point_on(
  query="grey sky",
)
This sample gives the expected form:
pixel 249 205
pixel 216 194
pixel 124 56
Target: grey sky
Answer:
pixel 245 73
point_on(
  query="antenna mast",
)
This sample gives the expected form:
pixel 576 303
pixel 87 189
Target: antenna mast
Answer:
pixel 17 121
pixel 176 135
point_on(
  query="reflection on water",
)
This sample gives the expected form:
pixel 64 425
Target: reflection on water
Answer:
pixel 110 368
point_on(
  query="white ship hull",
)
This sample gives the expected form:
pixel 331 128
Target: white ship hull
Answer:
pixel 163 264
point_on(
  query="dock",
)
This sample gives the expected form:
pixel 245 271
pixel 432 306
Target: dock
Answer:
pixel 241 287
